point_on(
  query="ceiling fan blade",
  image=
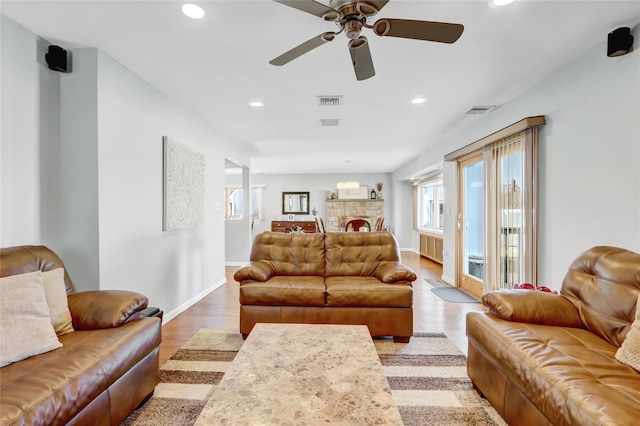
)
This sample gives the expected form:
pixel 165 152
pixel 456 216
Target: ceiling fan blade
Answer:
pixel 441 32
pixel 303 48
pixel 309 6
pixel 361 58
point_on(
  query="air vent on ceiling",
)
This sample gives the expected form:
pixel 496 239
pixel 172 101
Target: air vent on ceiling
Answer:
pixel 329 122
pixel 329 100
pixel 481 109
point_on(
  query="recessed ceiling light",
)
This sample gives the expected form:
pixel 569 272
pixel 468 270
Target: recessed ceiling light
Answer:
pixel 418 101
pixel 193 11
pixel 256 104
pixel 498 3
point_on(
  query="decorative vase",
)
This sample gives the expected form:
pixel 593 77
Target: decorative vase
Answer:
pixel 379 195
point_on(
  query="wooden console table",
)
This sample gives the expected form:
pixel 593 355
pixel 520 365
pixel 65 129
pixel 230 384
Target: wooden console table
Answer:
pixel 308 227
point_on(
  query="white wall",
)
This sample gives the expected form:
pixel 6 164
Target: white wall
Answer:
pixel 589 156
pixel 79 190
pixel 107 166
pixel 29 138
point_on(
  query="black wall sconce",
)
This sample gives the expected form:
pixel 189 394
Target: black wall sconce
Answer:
pixel 619 42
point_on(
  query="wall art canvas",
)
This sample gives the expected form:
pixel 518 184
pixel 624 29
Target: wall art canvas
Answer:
pixel 184 186
pixel 361 193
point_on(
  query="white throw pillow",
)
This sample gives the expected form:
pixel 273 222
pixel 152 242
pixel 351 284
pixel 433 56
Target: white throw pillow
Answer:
pixel 629 352
pixel 25 326
pixel 56 294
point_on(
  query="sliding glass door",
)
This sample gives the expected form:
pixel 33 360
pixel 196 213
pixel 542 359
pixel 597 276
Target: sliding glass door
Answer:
pixel 497 223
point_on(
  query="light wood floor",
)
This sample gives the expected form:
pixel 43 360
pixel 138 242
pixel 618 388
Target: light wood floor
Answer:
pixel 221 309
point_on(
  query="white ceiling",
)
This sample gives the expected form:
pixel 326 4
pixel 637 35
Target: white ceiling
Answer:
pixel 216 65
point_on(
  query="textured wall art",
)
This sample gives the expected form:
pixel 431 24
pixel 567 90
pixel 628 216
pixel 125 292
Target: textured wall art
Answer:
pixel 184 186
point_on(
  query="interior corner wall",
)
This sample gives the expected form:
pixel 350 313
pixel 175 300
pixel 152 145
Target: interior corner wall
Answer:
pixel 79 215
pixel 403 214
pixel 589 184
pixel 29 139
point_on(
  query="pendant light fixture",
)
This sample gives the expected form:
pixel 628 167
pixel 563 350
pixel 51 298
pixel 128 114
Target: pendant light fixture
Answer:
pixel 348 184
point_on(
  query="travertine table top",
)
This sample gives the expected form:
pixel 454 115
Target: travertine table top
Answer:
pixel 300 374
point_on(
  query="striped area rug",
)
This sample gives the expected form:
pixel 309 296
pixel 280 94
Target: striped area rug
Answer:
pixel 427 378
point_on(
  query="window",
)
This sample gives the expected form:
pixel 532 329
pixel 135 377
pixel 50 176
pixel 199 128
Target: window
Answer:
pixel 234 209
pixel 430 206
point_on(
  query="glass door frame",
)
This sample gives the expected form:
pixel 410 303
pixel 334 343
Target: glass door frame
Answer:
pixel 464 281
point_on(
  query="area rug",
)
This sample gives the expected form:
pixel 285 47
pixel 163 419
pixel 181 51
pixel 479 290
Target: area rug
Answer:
pixel 427 377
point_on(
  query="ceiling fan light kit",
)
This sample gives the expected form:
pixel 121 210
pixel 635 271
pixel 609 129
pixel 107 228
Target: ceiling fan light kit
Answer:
pixel 351 16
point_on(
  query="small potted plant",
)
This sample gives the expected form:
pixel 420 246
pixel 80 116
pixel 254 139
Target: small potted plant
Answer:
pixel 379 186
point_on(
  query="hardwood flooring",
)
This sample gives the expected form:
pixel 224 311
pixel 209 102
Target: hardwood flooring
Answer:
pixel 221 309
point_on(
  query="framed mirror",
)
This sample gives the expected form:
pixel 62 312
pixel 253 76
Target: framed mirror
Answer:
pixel 295 203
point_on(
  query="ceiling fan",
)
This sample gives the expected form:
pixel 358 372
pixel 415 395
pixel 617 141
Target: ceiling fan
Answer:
pixel 351 16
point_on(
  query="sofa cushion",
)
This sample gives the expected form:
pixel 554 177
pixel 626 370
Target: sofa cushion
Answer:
pixel 290 254
pixel 603 283
pixel 629 352
pixel 367 291
pixel 56 294
pixel 570 374
pixel 284 290
pixel 25 325
pixel 56 385
pixel 358 253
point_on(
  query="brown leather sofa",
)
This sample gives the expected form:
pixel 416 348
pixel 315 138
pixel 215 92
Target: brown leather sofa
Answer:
pixel 332 278
pixel 546 359
pixel 105 368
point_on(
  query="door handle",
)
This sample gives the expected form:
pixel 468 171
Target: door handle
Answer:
pixel 459 222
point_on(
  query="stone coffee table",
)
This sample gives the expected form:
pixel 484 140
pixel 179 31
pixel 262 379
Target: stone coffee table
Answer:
pixel 300 374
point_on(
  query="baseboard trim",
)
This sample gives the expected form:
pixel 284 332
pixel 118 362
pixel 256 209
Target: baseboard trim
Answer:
pixel 448 280
pixel 168 316
pixel 411 250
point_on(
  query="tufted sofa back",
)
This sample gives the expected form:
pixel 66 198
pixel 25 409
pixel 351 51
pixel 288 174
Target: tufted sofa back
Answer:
pixel 358 253
pixel 603 283
pixel 290 254
pixel 24 259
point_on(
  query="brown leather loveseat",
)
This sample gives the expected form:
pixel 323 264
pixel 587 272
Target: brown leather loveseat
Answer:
pixel 107 364
pixel 333 278
pixel 546 359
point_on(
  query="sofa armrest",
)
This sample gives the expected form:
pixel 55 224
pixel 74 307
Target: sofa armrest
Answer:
pixel 534 307
pixel 392 272
pixel 255 271
pixel 91 310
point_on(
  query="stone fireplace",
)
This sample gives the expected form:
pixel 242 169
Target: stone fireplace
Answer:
pixel 335 210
